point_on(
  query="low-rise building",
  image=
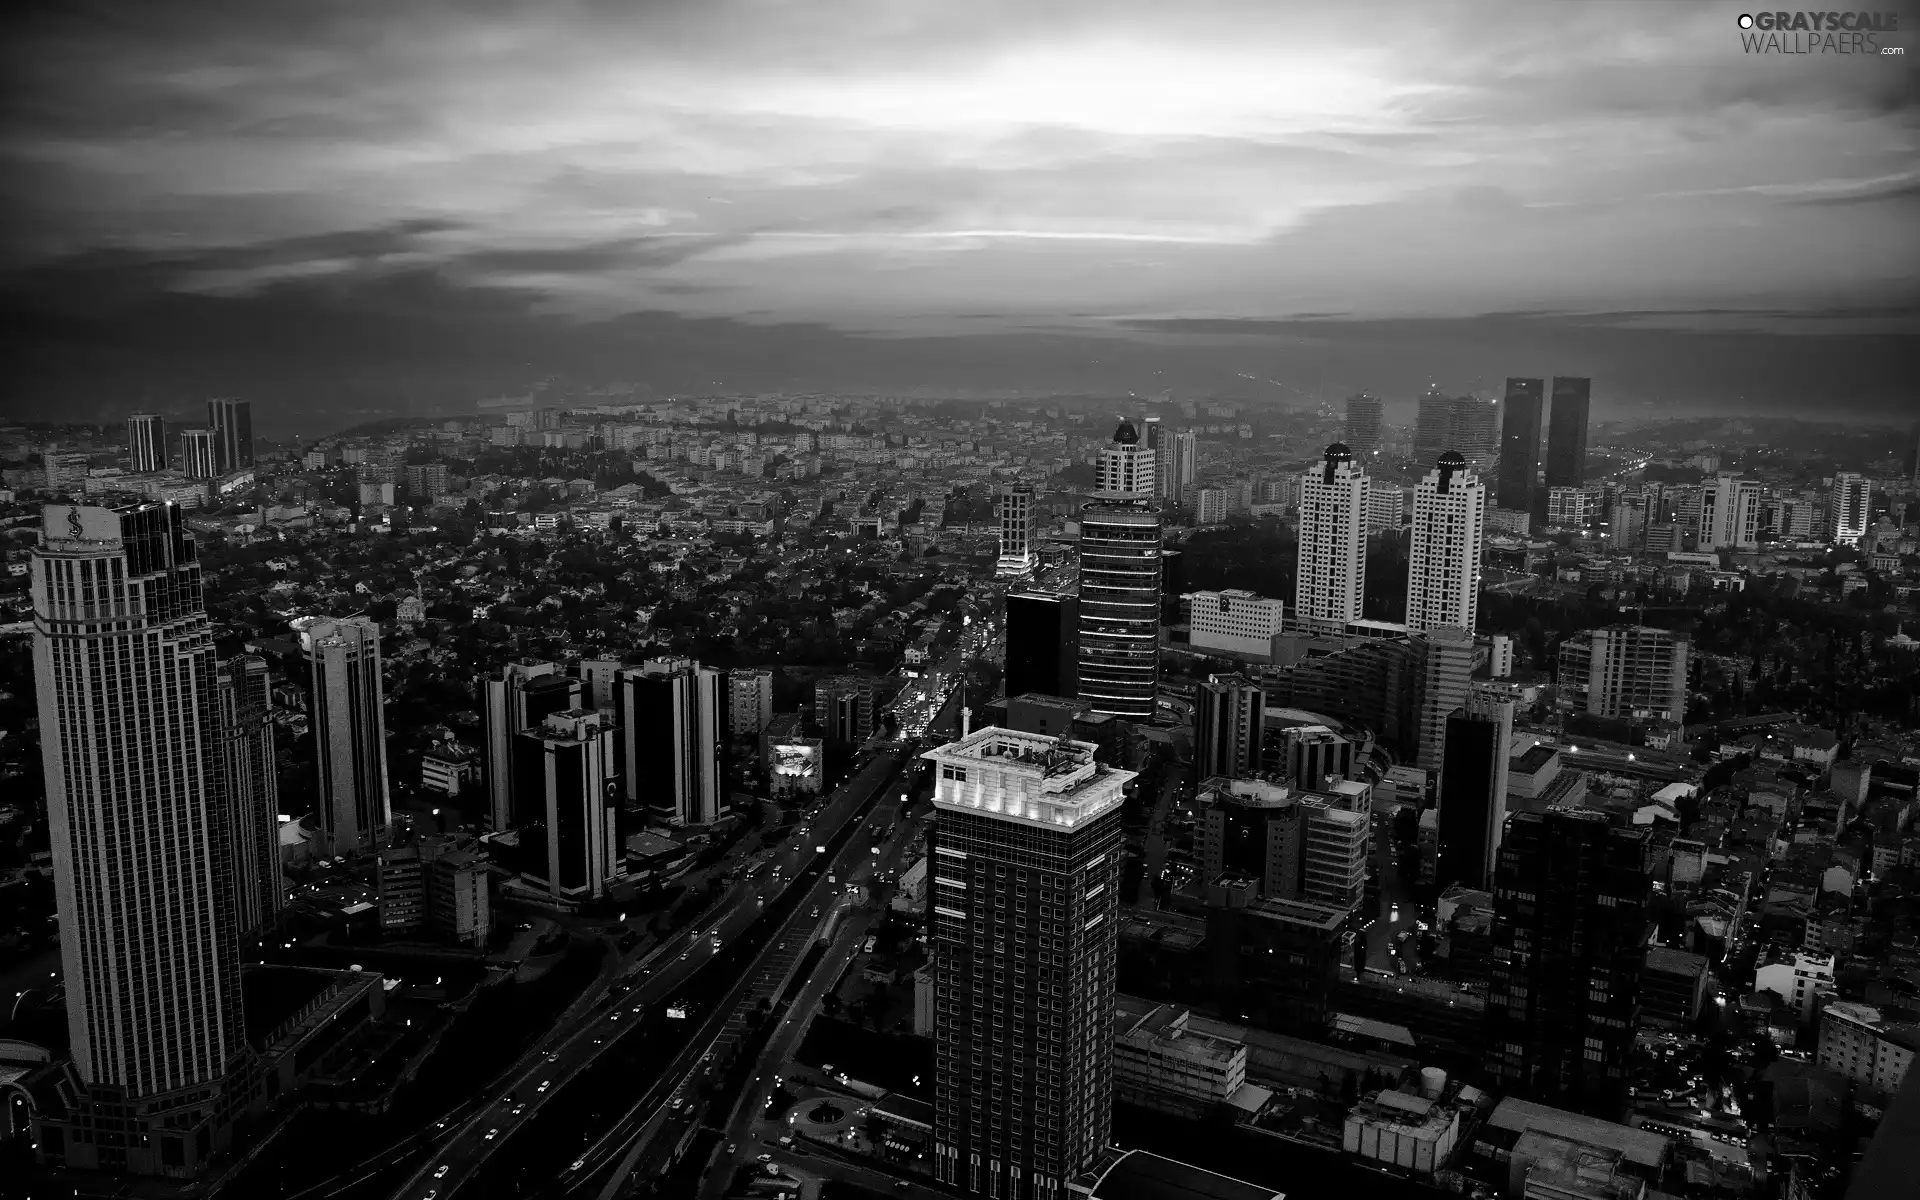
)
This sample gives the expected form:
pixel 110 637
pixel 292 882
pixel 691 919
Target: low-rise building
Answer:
pixel 1162 1064
pixel 1860 1043
pixel 1673 987
pixel 1416 1133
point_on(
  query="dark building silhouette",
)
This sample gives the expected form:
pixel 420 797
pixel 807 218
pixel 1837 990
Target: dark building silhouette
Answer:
pixel 1569 936
pixel 1473 791
pixel 232 424
pixel 1567 431
pixel 1228 714
pixel 1042 646
pixel 1520 444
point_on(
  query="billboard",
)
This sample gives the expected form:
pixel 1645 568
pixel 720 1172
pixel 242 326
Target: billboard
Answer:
pixel 796 765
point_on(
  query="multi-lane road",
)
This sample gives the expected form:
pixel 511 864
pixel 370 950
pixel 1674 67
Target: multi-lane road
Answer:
pixel 484 1127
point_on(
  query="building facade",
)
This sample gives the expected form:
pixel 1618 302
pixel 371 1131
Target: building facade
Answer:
pixel 670 735
pixel 1849 508
pixel 198 459
pixel 348 711
pixel 1567 431
pixel 1042 643
pixel 1331 575
pixel 1234 620
pixel 1017 519
pixel 749 700
pixel 566 805
pixel 1625 672
pixel 252 790
pixel 1228 720
pixel 146 443
pixel 1473 790
pixel 1520 444
pixel 231 424
pixel 1120 577
pixel 1364 423
pixel 524 694
pixel 1443 560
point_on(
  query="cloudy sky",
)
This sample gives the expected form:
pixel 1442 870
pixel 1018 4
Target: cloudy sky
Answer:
pixel 211 192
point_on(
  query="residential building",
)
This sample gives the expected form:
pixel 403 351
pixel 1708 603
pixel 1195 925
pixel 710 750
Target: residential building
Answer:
pixel 1210 506
pixel 667 754
pixel 1801 979
pixel 1125 469
pixel 1018 551
pixel 1443 680
pixel 1730 514
pixel 1860 1043
pixel 1363 425
pixel 348 711
pixel 525 694
pixel 1175 471
pixel 1234 620
pixel 1520 445
pixel 146 443
pixel 1433 425
pixel 1443 566
pixel 1567 508
pixel 1027 852
pixel 149 948
pixel 1306 756
pixel 1331 573
pixel 402 891
pixel 1849 508
pixel 844 707
pixel 252 790
pixel 749 700
pixel 1473 429
pixel 1673 987
pixel 1625 672
pixel 1228 722
pixel 459 909
pixel 1473 790
pixel 231 424
pixel 565 795
pixel 1042 640
pixel 1567 432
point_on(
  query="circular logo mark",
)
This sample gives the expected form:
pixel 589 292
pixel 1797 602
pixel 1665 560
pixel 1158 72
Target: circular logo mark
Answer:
pixel 1746 20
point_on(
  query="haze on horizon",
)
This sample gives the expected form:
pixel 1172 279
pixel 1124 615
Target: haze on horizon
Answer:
pixel 393 206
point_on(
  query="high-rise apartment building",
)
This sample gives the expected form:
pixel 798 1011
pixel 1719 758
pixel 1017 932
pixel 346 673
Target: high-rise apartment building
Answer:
pixel 197 455
pixel 1043 630
pixel 524 694
pixel 1364 419
pixel 1331 576
pixel 1730 514
pixel 1120 545
pixel 749 700
pixel 129 737
pixel 1432 425
pixel 348 712
pixel 566 805
pixel 1027 850
pixel 146 443
pixel 1849 508
pixel 1473 790
pixel 1443 567
pixel 1567 508
pixel 1569 937
pixel 231 423
pixel 1444 678
pixel 1125 470
pixel 670 736
pixel 1176 466
pixel 1567 431
pixel 1625 672
pixel 1627 521
pixel 426 482
pixel 1017 515
pixel 1520 444
pixel 252 790
pixel 1229 711
pixel 1210 506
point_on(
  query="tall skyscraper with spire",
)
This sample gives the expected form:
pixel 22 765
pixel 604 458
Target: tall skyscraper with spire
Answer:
pixel 1331 577
pixel 348 711
pixel 1024 876
pixel 141 841
pixel 146 443
pixel 1520 444
pixel 1120 565
pixel 1443 559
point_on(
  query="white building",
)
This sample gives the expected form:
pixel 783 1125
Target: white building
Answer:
pixel 1799 981
pixel 1126 467
pixel 1331 575
pixel 1730 517
pixel 1210 506
pixel 1017 514
pixel 1161 1064
pixel 1234 620
pixel 1411 1132
pixel 749 699
pixel 1443 567
pixel 1849 508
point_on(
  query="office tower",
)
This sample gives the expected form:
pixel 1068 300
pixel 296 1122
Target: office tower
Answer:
pixel 1235 620
pixel 669 715
pixel 1043 633
pixel 231 423
pixel 749 700
pixel 1432 425
pixel 566 804
pixel 124 672
pixel 1306 756
pixel 1730 514
pixel 1026 860
pixel 1569 933
pixel 1567 432
pixel 1445 676
pixel 596 676
pixel 1473 790
pixel 843 707
pixel 1126 468
pixel 252 789
pixel 349 730
pixel 146 443
pixel 525 694
pixel 197 458
pixel 1849 508
pixel 1150 433
pixel 1624 672
pixel 1443 561
pixel 1473 429
pixel 1176 468
pixel 1331 576
pixel 1229 711
pixel 1017 549
pixel 1520 445
pixel 1291 845
pixel 1363 425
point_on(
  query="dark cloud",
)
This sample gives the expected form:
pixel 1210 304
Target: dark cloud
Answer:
pixel 621 254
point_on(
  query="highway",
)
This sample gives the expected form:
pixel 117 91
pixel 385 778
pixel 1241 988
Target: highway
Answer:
pixel 542 1077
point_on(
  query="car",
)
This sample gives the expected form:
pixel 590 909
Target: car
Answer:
pixel 553 1056
pixel 492 1134
pixel 613 1016
pixel 518 1109
pixel 732 1148
pixel 683 955
pixel 766 1158
pixel 544 1085
pixel 901 1185
pixel 442 1172
pixel 816 912
pixel 429 1194
pixel 577 1164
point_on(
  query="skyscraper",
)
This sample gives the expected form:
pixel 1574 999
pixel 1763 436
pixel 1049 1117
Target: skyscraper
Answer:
pixel 146 443
pixel 1473 429
pixel 1363 425
pixel 1730 513
pixel 1150 431
pixel 566 804
pixel 1473 790
pixel 1441 684
pixel 1119 667
pixel 1443 567
pixel 1910 458
pixel 1331 577
pixel 1228 724
pixel 1432 425
pixel 749 700
pixel 1849 508
pixel 1176 466
pixel 197 457
pixel 129 727
pixel 1043 635
pixel 1017 515
pixel 1567 432
pixel 1520 444
pixel 1569 935
pixel 1026 860
pixel 1624 672
pixel 349 730
pixel 231 422
pixel 526 692
pixel 669 738
pixel 252 789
